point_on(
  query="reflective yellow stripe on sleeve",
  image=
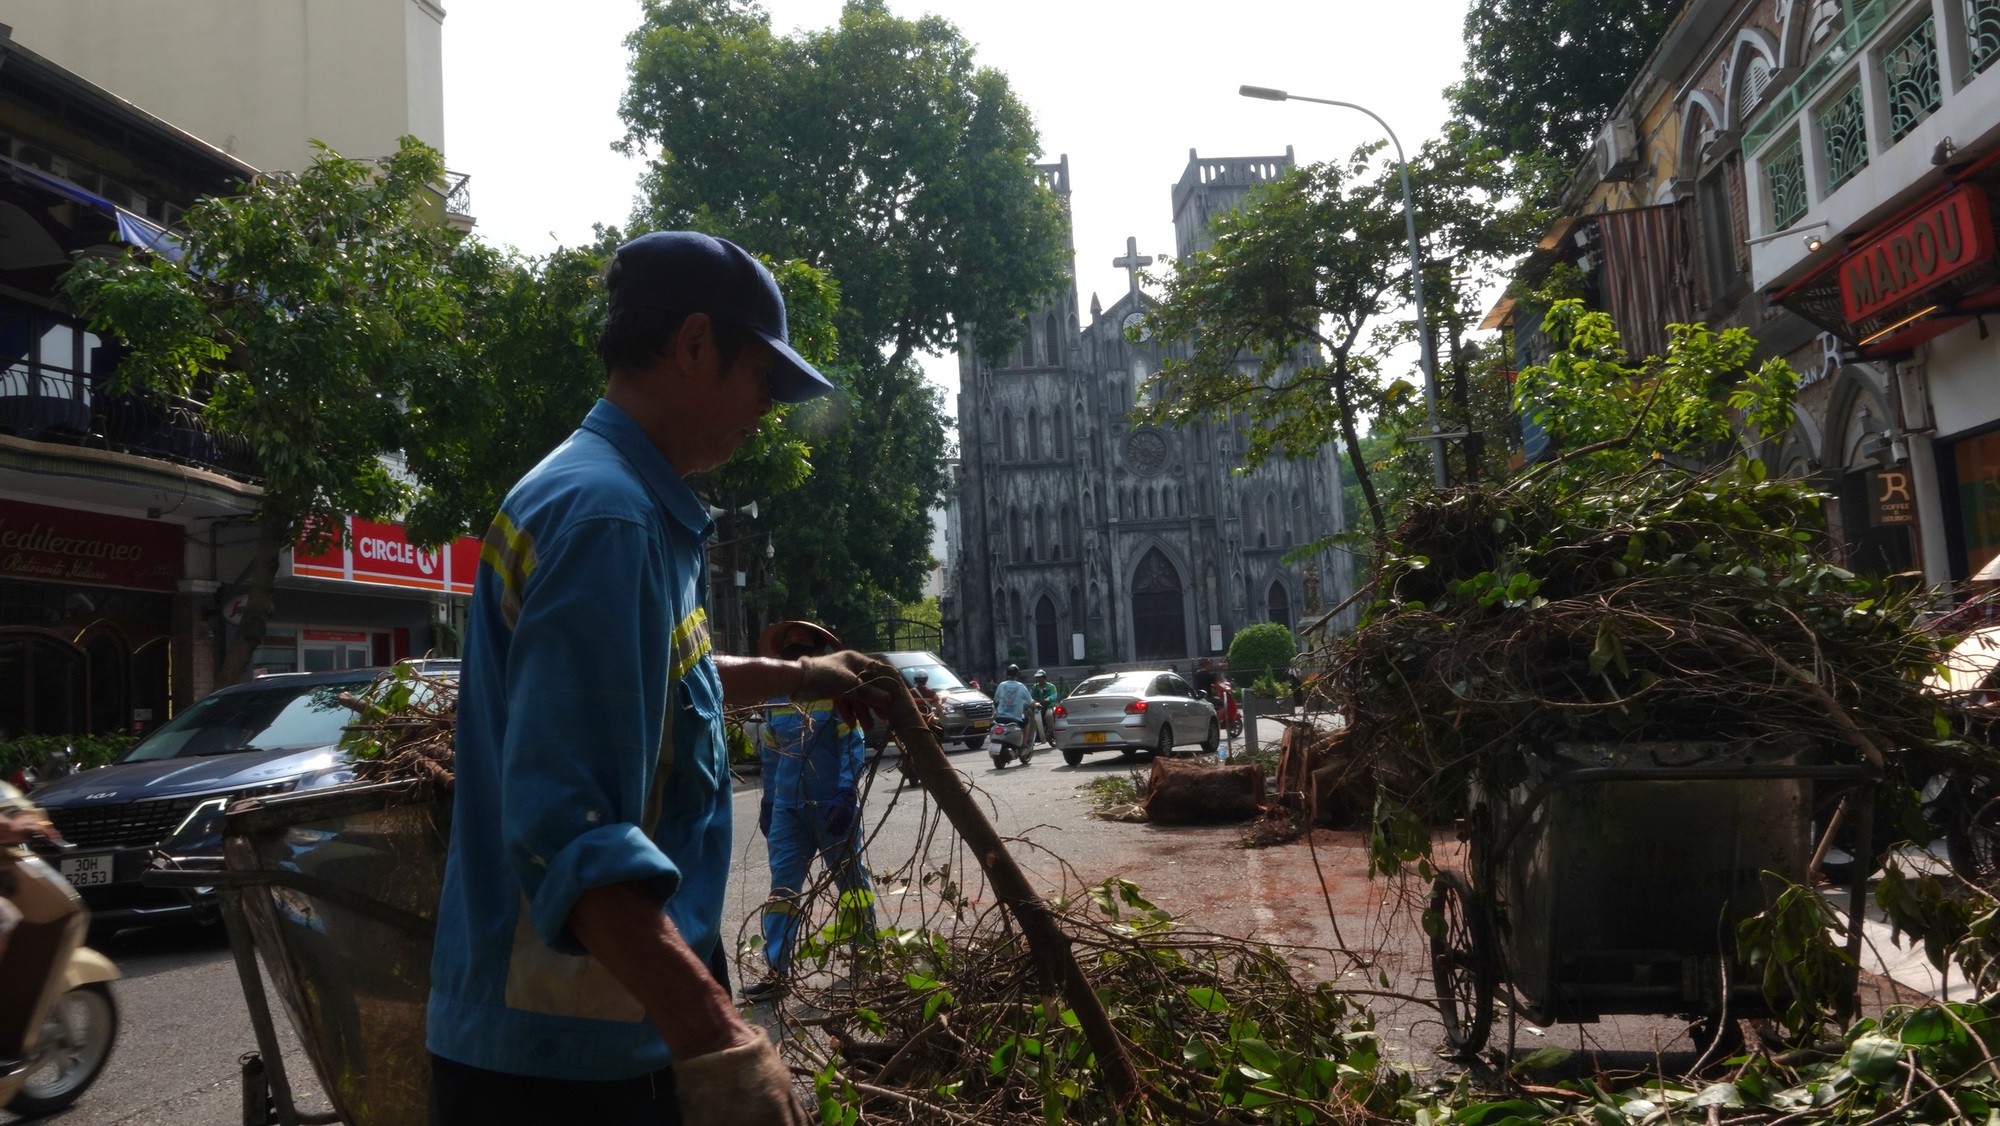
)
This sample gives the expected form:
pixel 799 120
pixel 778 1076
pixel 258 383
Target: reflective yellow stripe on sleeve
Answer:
pixel 690 642
pixel 511 553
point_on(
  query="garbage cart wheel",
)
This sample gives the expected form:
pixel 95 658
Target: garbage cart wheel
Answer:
pixel 1972 840
pixel 1461 962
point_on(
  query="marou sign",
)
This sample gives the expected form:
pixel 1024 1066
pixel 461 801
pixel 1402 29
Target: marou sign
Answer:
pixel 1939 242
pixel 62 546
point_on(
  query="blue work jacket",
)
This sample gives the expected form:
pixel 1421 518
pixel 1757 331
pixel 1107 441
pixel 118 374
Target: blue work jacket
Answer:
pixel 809 753
pixel 590 752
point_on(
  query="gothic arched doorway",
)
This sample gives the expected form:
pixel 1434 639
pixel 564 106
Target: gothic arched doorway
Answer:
pixel 1278 605
pixel 1159 612
pixel 1047 649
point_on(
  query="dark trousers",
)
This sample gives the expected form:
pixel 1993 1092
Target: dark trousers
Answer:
pixel 473 1096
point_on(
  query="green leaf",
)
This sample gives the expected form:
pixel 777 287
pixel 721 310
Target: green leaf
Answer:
pixel 1929 1025
pixel 1497 1113
pixel 1002 1056
pixel 1719 1094
pixel 1541 1059
pixel 1207 1000
pixel 1197 1055
pixel 1259 1055
pixel 1873 1058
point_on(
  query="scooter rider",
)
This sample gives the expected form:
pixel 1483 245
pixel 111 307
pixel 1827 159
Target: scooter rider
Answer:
pixel 21 821
pixel 927 697
pixel 812 757
pixel 1045 696
pixel 1205 678
pixel 1011 701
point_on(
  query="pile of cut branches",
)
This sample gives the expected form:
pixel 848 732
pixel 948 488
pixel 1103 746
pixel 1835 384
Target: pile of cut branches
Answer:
pixel 948 1025
pixel 403 728
pixel 1662 604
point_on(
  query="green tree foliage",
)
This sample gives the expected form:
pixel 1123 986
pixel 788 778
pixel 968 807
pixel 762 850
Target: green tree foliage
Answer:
pixel 1262 647
pixel 1542 75
pixel 876 150
pixel 1470 229
pixel 318 318
pixel 532 326
pixel 853 540
pixel 1292 284
pixel 1604 414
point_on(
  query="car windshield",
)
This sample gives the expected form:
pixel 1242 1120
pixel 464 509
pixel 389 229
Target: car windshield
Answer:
pixel 941 678
pixel 281 717
pixel 1134 684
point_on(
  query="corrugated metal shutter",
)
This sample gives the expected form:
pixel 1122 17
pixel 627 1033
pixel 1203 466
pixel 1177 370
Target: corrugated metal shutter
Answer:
pixel 1644 287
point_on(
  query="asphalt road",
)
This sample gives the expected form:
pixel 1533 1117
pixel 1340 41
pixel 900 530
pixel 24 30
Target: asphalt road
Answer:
pixel 185 1024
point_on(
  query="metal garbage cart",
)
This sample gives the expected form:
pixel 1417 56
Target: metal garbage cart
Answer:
pixel 337 889
pixel 1610 878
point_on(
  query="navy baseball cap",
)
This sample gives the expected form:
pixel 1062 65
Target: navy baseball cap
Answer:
pixel 689 272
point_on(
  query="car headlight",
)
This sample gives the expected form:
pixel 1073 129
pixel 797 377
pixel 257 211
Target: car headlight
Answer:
pixel 954 709
pixel 203 823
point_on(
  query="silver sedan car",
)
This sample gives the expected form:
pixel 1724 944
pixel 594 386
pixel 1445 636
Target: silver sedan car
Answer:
pixel 1152 710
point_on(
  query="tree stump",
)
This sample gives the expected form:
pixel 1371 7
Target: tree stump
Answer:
pixel 1185 794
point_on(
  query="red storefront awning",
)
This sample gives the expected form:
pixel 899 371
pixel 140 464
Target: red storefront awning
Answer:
pixel 1928 269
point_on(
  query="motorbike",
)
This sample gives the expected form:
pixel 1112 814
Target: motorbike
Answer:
pixel 58 1018
pixel 1010 740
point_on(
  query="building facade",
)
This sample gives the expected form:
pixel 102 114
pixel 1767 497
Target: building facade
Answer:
pixel 260 81
pixel 1080 539
pixel 1819 173
pixel 126 524
pixel 1871 178
pixel 108 503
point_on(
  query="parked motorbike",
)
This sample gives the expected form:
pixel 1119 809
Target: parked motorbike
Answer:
pixel 57 1016
pixel 56 764
pixel 1010 740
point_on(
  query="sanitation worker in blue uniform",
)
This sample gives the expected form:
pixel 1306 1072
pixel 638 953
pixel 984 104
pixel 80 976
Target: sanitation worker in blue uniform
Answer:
pixel 577 974
pixel 812 757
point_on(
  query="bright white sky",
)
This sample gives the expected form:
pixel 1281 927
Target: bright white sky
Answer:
pixel 1125 87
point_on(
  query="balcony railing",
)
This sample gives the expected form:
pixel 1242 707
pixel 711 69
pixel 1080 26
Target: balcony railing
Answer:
pixel 458 193
pixel 49 406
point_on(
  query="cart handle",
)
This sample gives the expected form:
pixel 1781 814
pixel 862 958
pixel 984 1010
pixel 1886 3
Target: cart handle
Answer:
pixel 333 893
pixel 1597 775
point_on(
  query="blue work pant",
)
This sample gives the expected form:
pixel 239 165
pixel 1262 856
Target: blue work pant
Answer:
pixel 796 839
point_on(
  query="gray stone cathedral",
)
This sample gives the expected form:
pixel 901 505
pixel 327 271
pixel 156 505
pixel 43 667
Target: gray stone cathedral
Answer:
pixel 1079 539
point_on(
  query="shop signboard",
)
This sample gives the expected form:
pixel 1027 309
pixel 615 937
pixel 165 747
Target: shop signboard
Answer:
pixel 1940 241
pixel 382 554
pixel 1891 499
pixel 61 545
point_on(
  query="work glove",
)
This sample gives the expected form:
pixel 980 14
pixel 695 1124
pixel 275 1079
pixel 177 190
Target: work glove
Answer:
pixel 841 676
pixel 840 813
pixel 742 1086
pixel 764 817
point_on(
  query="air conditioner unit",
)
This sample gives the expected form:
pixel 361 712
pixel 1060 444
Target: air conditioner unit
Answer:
pixel 1618 150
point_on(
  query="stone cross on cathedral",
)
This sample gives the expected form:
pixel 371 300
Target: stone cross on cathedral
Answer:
pixel 1131 262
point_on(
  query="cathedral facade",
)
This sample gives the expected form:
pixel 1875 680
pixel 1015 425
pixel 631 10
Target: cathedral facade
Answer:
pixel 1079 539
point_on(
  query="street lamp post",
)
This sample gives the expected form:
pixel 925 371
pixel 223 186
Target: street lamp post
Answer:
pixel 1416 266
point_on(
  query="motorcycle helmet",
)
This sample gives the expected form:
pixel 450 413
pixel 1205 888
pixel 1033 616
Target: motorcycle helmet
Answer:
pixel 1041 674
pixel 1013 672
